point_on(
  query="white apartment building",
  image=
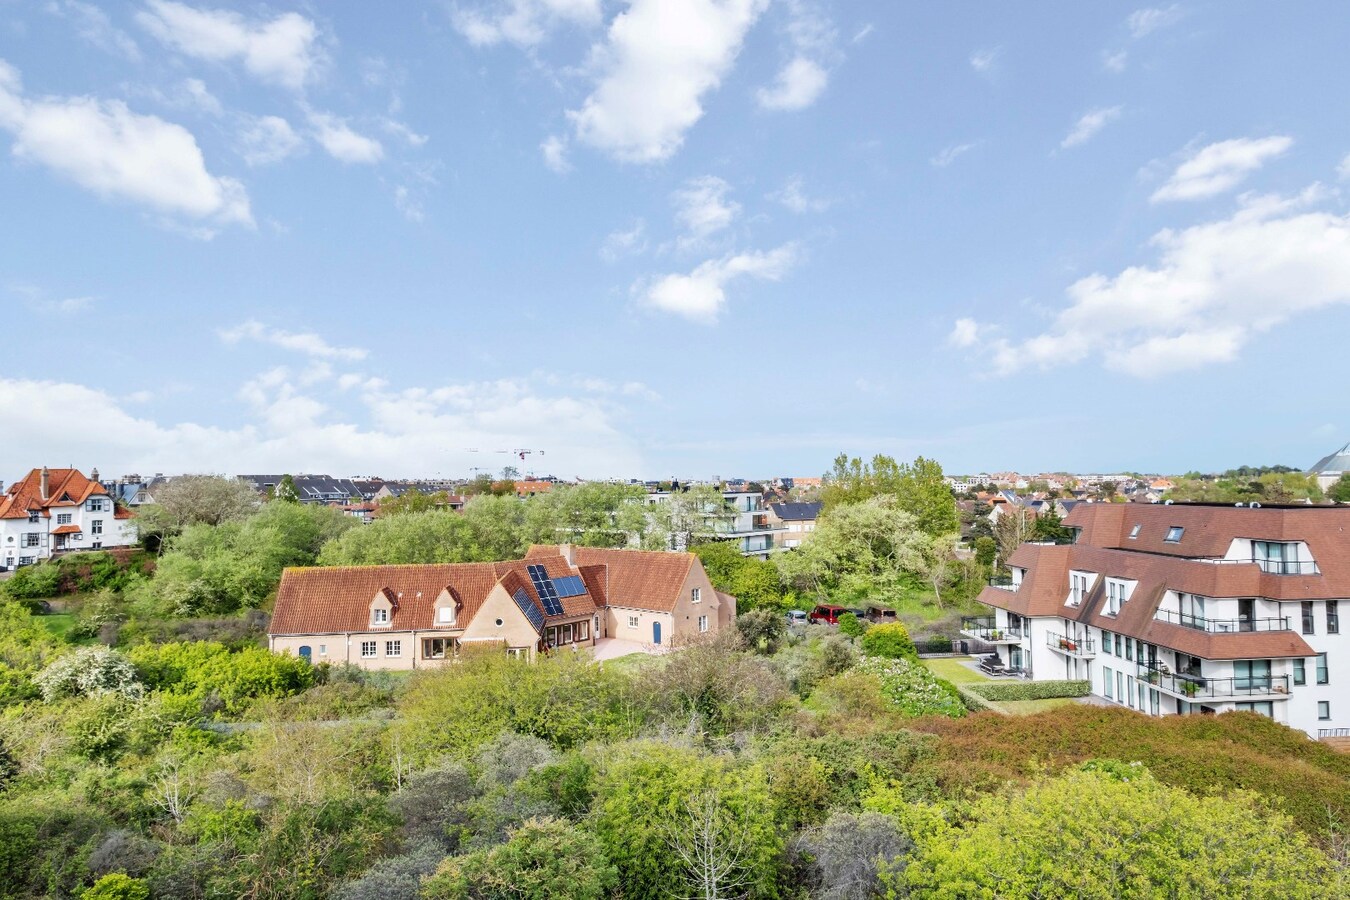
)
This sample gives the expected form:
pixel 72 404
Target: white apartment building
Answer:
pixel 750 523
pixel 51 511
pixel 1185 609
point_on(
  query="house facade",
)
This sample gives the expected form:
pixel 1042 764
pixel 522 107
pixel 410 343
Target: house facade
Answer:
pixel 53 511
pixel 797 521
pixel 558 597
pixel 1178 609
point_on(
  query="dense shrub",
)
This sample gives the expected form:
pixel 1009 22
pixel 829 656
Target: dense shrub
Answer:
pixel 89 672
pixel 851 625
pixel 912 688
pixel 205 669
pixel 889 641
pixel 544 859
pixel 117 886
pixel 33 582
pixel 845 856
pixel 762 629
pixel 973 701
pixel 1030 690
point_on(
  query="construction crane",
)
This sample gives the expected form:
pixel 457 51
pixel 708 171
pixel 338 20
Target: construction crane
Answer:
pixel 521 452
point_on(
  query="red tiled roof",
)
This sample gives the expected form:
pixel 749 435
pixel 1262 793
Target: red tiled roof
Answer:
pixel 337 599
pixel 66 529
pixel 637 579
pixel 65 488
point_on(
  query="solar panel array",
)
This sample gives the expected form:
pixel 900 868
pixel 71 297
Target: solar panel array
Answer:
pixel 570 586
pixel 529 609
pixel 543 586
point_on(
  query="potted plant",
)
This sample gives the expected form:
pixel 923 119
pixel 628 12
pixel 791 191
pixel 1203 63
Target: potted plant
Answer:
pixel 1152 677
pixel 1190 688
pixel 995 635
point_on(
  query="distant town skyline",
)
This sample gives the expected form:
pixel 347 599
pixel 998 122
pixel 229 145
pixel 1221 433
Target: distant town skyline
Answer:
pixel 354 238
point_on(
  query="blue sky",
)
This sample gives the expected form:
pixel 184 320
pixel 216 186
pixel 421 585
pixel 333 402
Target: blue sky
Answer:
pixel 714 237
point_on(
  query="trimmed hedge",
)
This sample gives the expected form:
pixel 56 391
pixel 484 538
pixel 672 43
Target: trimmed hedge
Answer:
pixel 973 701
pixel 1031 690
pixel 934 645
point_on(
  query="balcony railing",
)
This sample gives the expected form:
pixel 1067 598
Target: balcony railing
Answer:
pixel 1224 626
pixel 1199 687
pixel 987 630
pixel 1074 646
pixel 1004 583
pixel 1273 566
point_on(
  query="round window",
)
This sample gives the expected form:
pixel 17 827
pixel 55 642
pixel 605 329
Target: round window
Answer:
pixel 499 623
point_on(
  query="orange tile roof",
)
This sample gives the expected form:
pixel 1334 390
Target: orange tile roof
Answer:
pixel 636 579
pixel 66 529
pixel 65 488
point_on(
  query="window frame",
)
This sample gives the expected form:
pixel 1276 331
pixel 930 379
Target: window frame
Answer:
pixel 1324 706
pixel 373 647
pixel 1323 673
pixel 393 647
pixel 1174 534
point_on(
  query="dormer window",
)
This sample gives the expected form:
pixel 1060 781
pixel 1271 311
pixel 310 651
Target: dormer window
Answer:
pixel 379 616
pixel 445 615
pixel 1134 532
pixel 1174 534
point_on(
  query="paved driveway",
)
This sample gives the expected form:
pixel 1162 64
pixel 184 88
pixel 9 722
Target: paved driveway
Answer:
pixel 613 648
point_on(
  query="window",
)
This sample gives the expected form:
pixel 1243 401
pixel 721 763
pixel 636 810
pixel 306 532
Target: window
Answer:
pixel 516 652
pixel 379 616
pixel 393 648
pixel 323 649
pixel 1134 532
pixel 1300 671
pixel 30 539
pixel 1129 649
pixel 1333 618
pixel 702 624
pixel 1115 597
pixel 1119 652
pixel 1251 675
pixel 446 615
pixel 1078 586
pixel 1265 708
pixel 438 648
pixel 1107 681
pixel 1106 642
pixel 583 631
pixel 1174 534
pixel 63 518
pixel 1323 710
pixel 1279 558
pixel 34 518
pixel 1323 677
pixel 96 526
pixel 96 505
pixel 1308 626
pixel 632 621
pixel 369 649
pixel 696 595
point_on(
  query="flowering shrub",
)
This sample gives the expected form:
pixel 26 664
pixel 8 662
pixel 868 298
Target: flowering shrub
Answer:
pixel 89 672
pixel 890 640
pixel 913 689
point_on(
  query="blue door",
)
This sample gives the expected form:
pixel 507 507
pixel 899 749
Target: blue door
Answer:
pixel 304 652
pixel 656 632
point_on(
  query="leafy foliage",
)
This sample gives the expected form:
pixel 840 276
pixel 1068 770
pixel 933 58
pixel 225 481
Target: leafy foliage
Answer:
pixel 912 689
pixel 918 488
pixel 544 859
pixel 206 669
pixel 889 640
pixel 89 672
pixel 1030 690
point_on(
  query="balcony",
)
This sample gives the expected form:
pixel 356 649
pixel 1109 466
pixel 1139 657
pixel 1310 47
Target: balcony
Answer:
pixel 1193 687
pixel 1004 583
pixel 1272 566
pixel 1223 626
pixel 985 628
pixel 1079 647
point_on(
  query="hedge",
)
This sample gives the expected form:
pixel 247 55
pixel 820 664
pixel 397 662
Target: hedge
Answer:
pixel 934 645
pixel 1031 690
pixel 973 701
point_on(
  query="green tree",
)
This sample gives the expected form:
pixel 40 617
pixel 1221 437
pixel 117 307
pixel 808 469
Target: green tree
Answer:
pixel 286 491
pixel 543 859
pixel 1112 831
pixel 762 629
pixel 89 672
pixel 117 886
pixel 195 500
pixel 889 640
pixel 1340 491
pixel 851 625
pixel 1049 526
pixel 1015 526
pixel 755 583
pixel 857 552
pixel 414 501
pixel 986 552
pixel 919 488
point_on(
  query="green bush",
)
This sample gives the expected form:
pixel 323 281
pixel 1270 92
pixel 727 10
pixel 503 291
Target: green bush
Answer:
pixel 973 701
pixel 33 582
pixel 889 641
pixel 541 860
pixel 117 887
pixel 913 689
pixel 206 669
pixel 851 625
pixel 1031 690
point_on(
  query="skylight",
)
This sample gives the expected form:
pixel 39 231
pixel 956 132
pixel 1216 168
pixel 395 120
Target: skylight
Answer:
pixel 1174 534
pixel 1134 532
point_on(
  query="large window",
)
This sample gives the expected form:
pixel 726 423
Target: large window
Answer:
pixel 1115 597
pixel 30 539
pixel 1300 672
pixel 1108 680
pixel 1192 608
pixel 438 648
pixel 1277 557
pixel 1323 676
pixel 1264 707
pixel 1333 617
pixel 96 526
pixel 63 518
pixel 1251 675
pixel 1309 627
pixel 96 505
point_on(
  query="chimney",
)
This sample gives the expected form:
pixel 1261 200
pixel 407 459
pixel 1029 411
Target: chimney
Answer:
pixel 93 474
pixel 568 553
pixel 45 480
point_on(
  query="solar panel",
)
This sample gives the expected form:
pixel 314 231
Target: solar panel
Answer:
pixel 529 609
pixel 569 586
pixel 543 586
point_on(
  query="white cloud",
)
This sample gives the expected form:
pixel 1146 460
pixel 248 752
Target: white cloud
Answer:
pixel 554 150
pixel 799 84
pixel 1115 62
pixel 290 425
pixel 983 61
pixel 1143 22
pixel 793 196
pixel 342 142
pixel 702 209
pixel 95 28
pixel 201 98
pixel 306 343
pixel 700 296
pixel 965 333
pixel 629 241
pixel 524 23
pixel 1087 127
pixel 1220 167
pixel 407 204
pixel 1214 288
pixel 264 140
pixel 951 154
pixel 863 33
pixel 655 65
pixel 804 77
pixel 105 147
pixel 401 131
pixel 278 51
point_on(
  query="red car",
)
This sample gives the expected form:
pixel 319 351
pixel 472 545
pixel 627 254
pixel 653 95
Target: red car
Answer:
pixel 827 614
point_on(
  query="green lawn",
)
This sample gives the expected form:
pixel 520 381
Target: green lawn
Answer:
pixel 1027 707
pixel 59 624
pixel 953 671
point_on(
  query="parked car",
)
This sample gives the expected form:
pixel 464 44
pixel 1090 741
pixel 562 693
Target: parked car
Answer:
pixel 796 617
pixel 827 614
pixel 878 615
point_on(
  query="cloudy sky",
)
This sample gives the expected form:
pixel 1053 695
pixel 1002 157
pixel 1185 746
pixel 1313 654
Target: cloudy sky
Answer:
pixel 649 238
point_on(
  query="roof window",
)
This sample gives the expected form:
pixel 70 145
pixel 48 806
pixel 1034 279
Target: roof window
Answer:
pixel 1134 532
pixel 1174 534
